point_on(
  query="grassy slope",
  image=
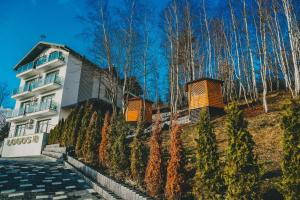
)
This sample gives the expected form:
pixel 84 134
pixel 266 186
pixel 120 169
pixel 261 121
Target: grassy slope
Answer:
pixel 265 129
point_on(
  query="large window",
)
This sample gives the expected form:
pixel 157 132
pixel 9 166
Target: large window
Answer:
pixel 43 126
pixel 20 130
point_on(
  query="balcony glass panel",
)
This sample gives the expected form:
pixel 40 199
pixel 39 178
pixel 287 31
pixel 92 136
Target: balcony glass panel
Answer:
pixel 15 113
pixel 26 67
pixel 55 55
pixel 47 105
pixel 49 79
pixel 41 60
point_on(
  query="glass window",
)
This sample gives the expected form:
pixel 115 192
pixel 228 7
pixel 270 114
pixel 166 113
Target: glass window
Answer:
pixel 50 77
pixel 29 85
pixel 20 130
pixel 42 126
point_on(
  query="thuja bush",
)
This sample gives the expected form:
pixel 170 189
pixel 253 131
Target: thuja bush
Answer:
pixel 56 133
pixel 138 152
pixel 153 174
pixel 175 169
pixel 119 145
pixel 68 128
pixel 290 184
pixel 92 141
pixel 241 169
pixel 208 183
pixel 77 125
pixel 103 149
pixel 88 111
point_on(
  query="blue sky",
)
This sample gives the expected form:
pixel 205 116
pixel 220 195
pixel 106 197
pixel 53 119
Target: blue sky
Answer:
pixel 23 21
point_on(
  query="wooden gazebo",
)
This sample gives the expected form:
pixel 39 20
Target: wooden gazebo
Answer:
pixel 205 93
pixel 135 107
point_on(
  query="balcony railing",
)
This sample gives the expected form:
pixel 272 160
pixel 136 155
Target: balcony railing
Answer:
pixel 43 106
pixel 48 80
pixel 42 60
pixel 39 83
pixel 26 67
pixel 20 90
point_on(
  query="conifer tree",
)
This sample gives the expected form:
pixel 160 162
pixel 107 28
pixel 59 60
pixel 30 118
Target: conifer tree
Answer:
pixel 208 181
pixel 55 134
pixel 82 132
pixel 241 170
pixel 120 148
pixel 138 153
pixel 68 128
pixel 153 174
pixel 291 151
pixel 103 149
pixel 175 169
pixel 77 124
pixel 92 140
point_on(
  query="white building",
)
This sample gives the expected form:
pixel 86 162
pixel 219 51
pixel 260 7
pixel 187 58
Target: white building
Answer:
pixel 53 78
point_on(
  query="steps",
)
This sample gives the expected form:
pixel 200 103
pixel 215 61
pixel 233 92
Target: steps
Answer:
pixel 54 152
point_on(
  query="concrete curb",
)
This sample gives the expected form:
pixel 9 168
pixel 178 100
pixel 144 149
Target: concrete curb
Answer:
pixel 103 181
pixel 106 194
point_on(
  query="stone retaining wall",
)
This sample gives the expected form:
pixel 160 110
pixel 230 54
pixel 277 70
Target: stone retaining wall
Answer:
pixel 121 191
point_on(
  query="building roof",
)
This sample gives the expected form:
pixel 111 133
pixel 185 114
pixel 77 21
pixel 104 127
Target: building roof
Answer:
pixel 203 79
pixel 41 46
pixel 139 98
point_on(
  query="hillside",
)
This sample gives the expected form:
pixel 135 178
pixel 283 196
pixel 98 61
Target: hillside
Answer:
pixel 266 131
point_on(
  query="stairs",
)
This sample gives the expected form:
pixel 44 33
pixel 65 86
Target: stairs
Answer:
pixel 54 152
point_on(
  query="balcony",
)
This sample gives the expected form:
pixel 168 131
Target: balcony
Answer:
pixel 26 71
pixel 55 59
pixel 35 111
pixel 47 84
pixel 22 92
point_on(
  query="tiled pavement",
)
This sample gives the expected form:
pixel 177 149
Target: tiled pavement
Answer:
pixel 39 178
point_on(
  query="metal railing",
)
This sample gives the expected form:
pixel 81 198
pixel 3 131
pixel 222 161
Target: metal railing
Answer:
pixel 48 105
pixel 38 83
pixel 40 61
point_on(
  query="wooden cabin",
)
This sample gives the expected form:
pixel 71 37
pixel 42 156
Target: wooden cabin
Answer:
pixel 205 93
pixel 135 107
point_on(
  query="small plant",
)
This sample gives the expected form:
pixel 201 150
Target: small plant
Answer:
pixel 208 181
pixel 241 169
pixel 290 184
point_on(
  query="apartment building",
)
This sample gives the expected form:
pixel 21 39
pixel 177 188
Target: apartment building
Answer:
pixel 53 79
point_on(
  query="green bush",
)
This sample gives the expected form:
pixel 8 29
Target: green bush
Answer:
pixel 208 181
pixel 241 169
pixel 291 151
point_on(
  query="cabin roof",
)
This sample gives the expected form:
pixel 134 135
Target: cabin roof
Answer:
pixel 202 79
pixel 139 98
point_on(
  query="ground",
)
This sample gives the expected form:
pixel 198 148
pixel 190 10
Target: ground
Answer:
pixel 40 178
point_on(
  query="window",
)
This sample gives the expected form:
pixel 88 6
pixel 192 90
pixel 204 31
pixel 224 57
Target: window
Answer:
pixel 29 85
pixel 42 126
pixel 50 77
pixel 20 130
pixel 25 106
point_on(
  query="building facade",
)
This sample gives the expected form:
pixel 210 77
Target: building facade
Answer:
pixel 53 79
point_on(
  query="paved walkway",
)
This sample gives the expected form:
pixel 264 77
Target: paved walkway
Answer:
pixel 39 178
